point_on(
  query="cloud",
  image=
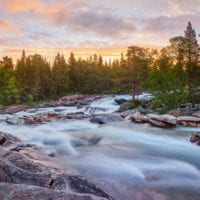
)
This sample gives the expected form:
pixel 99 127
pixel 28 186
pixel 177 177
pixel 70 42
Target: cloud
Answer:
pixel 100 22
pixel 88 24
pixel 14 6
pixel 6 26
pixel 184 6
pixel 170 25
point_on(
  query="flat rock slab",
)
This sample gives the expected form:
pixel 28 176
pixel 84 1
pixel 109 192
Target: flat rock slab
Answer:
pixel 163 121
pixel 189 121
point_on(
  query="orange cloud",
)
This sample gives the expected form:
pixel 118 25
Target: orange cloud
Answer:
pixel 7 26
pixel 14 6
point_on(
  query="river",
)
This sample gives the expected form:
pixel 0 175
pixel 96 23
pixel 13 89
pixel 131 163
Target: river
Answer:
pixel 128 161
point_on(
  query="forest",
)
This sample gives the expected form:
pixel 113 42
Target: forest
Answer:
pixel 171 74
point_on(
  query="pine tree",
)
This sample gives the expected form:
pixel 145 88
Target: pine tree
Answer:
pixel 192 55
pixel 60 75
pixel 72 72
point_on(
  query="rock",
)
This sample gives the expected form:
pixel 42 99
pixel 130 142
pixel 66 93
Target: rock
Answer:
pixel 7 139
pixel 30 192
pixel 174 112
pixel 120 101
pixel 162 121
pixel 188 108
pixel 94 140
pixel 44 118
pixel 195 138
pixel 146 104
pixel 11 121
pixel 196 114
pixel 127 113
pixel 138 117
pixel 22 177
pixel 14 109
pixel 189 121
pixel 104 119
pixel 75 100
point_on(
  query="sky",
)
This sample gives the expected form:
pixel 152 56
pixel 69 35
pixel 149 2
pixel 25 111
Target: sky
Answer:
pixel 86 27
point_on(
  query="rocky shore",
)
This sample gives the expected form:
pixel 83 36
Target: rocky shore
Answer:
pixel 70 100
pixel 23 176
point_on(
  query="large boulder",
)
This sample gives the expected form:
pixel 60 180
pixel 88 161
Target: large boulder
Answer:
pixel 189 121
pixel 23 177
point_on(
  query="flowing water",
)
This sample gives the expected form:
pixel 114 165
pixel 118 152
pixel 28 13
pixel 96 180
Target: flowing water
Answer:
pixel 129 161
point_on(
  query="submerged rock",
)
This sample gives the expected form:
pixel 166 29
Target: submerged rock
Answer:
pixel 195 138
pixel 22 177
pixel 106 119
pixel 120 101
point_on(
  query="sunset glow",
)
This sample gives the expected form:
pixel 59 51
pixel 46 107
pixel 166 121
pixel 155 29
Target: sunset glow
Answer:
pixel 85 27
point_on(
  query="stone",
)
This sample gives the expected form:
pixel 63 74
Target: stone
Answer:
pixel 138 117
pixel 174 112
pixel 196 114
pixel 120 101
pixel 195 138
pixel 127 113
pixel 189 121
pixel 104 119
pixel 22 177
pixel 162 120
pixel 14 109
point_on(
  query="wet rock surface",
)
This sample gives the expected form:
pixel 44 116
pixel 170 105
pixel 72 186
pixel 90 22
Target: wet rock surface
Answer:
pixel 120 101
pixel 23 177
pixel 75 100
pixel 189 121
pixel 195 138
pixel 13 109
pixel 104 119
pixel 163 121
pixel 44 118
pixel 70 100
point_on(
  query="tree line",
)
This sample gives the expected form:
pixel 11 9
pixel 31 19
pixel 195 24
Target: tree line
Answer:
pixel 171 74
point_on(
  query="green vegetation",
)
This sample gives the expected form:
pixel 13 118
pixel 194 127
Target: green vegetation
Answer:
pixel 172 74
